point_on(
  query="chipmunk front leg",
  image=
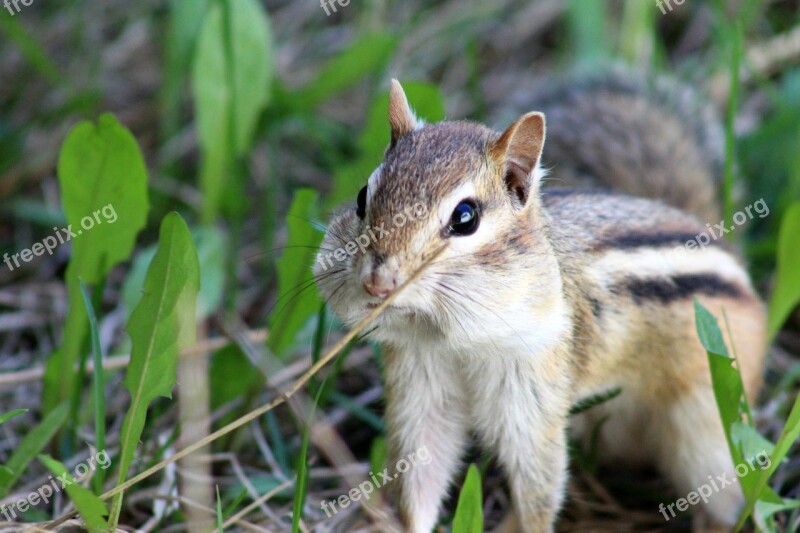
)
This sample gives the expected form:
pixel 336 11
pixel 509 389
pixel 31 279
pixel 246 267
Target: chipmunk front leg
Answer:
pixel 522 417
pixel 425 411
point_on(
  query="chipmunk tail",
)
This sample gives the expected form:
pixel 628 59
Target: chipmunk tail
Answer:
pixel 640 134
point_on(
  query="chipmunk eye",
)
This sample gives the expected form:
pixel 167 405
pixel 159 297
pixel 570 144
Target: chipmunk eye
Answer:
pixel 361 208
pixel 464 220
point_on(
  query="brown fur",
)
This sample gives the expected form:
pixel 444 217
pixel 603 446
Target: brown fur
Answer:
pixel 558 295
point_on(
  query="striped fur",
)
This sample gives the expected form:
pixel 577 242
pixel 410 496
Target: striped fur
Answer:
pixel 558 295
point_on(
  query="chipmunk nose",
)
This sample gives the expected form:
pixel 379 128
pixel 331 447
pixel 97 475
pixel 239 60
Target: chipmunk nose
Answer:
pixel 380 283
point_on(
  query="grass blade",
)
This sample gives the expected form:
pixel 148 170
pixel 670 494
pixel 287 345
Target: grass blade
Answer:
pixel 220 514
pixel 91 508
pixel 99 385
pixel 33 51
pixel 11 414
pixel 594 400
pixel 786 294
pixel 790 434
pixel 33 443
pixel 730 123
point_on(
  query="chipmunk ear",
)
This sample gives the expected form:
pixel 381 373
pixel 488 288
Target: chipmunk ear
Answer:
pixel 401 118
pixel 518 150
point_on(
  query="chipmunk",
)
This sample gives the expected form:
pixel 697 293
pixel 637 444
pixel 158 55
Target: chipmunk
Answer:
pixel 545 296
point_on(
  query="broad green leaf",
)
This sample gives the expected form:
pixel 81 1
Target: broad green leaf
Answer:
pixel 30 446
pixel 786 294
pixel 754 446
pixel 299 299
pixel 368 54
pixel 161 325
pixel 103 182
pixel 210 244
pixel 91 508
pixel 231 81
pixel 427 103
pixel 11 414
pixel 469 512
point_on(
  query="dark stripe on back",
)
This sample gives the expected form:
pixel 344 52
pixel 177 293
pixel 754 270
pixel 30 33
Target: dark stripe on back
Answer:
pixel 670 289
pixel 560 192
pixel 641 239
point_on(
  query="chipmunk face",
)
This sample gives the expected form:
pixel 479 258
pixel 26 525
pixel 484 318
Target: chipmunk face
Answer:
pixel 457 184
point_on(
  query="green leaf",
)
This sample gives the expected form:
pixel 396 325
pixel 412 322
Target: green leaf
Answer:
pixel 31 50
pixel 427 103
pixel 30 446
pixel 220 515
pixel 301 487
pixel 747 446
pixel 469 512
pixel 162 324
pixel 299 298
pixel 231 376
pixel 211 250
pixel 586 20
pixel 726 382
pixel 368 54
pixel 103 181
pixel 594 400
pixel 91 508
pixel 768 503
pixel 786 294
pixel 210 244
pixel 231 81
pixel 637 31
pixel 753 445
pixel 186 18
pixel 11 414
pixel 98 383
pixel 378 455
